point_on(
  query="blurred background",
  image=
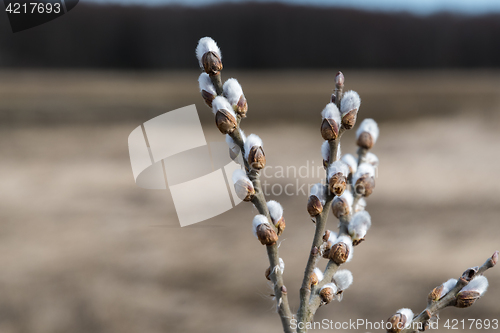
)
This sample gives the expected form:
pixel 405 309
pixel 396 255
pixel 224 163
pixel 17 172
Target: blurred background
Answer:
pixel 82 249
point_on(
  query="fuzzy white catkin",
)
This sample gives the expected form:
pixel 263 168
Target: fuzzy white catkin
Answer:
pixel 372 159
pixel 363 169
pixel 325 150
pixel 331 112
pixel 347 241
pixel 337 167
pixel 282 265
pixel 347 196
pixel 275 210
pixel 368 125
pixel 331 286
pixel 408 314
pixel 206 84
pixel 360 206
pixel 333 237
pixel 478 284
pixel 206 44
pixel 239 174
pixel 258 220
pixel 447 286
pixel 351 161
pixel 318 273
pixel 251 141
pixel 359 225
pixel 350 101
pixel 343 279
pixel 221 103
pixel 319 191
pixel 232 91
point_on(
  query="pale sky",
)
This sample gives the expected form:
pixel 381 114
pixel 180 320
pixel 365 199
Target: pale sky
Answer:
pixel 422 7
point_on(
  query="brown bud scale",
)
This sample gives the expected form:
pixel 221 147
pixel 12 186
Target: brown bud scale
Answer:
pixel 358 241
pixel 313 279
pixel 349 119
pixel 280 225
pixel 211 63
pixel 339 253
pixel 326 236
pixel 225 121
pixel 435 294
pixel 326 295
pixel 398 322
pixel 208 97
pixel 467 298
pixel 268 273
pixel 241 107
pixel 340 207
pixel 266 234
pixel 365 140
pixel 257 158
pixel 314 206
pixel 365 185
pixel 337 184
pixel 329 129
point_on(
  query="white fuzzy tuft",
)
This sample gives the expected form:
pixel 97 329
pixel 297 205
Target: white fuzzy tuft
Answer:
pixel 337 167
pixel 206 44
pixel 350 101
pixel 275 210
pixel 347 196
pixel 332 238
pixel 447 286
pixel 351 162
pixel 206 84
pixel 372 159
pixel 479 284
pixel 363 169
pixel 239 174
pixel 359 225
pixel 343 279
pixel 232 91
pixel 282 265
pixel 360 206
pixel 347 241
pixel 251 141
pixel 332 286
pixel 319 190
pixel 368 125
pixel 408 314
pixel 331 112
pixel 258 220
pixel 318 273
pixel 325 150
pixel 221 103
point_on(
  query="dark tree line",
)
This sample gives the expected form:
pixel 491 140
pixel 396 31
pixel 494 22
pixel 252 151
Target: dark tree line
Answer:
pixel 253 36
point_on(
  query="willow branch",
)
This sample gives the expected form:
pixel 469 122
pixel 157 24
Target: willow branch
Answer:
pixel 259 201
pixel 434 307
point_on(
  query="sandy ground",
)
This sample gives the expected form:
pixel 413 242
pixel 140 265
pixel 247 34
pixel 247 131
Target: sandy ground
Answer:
pixel 82 249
